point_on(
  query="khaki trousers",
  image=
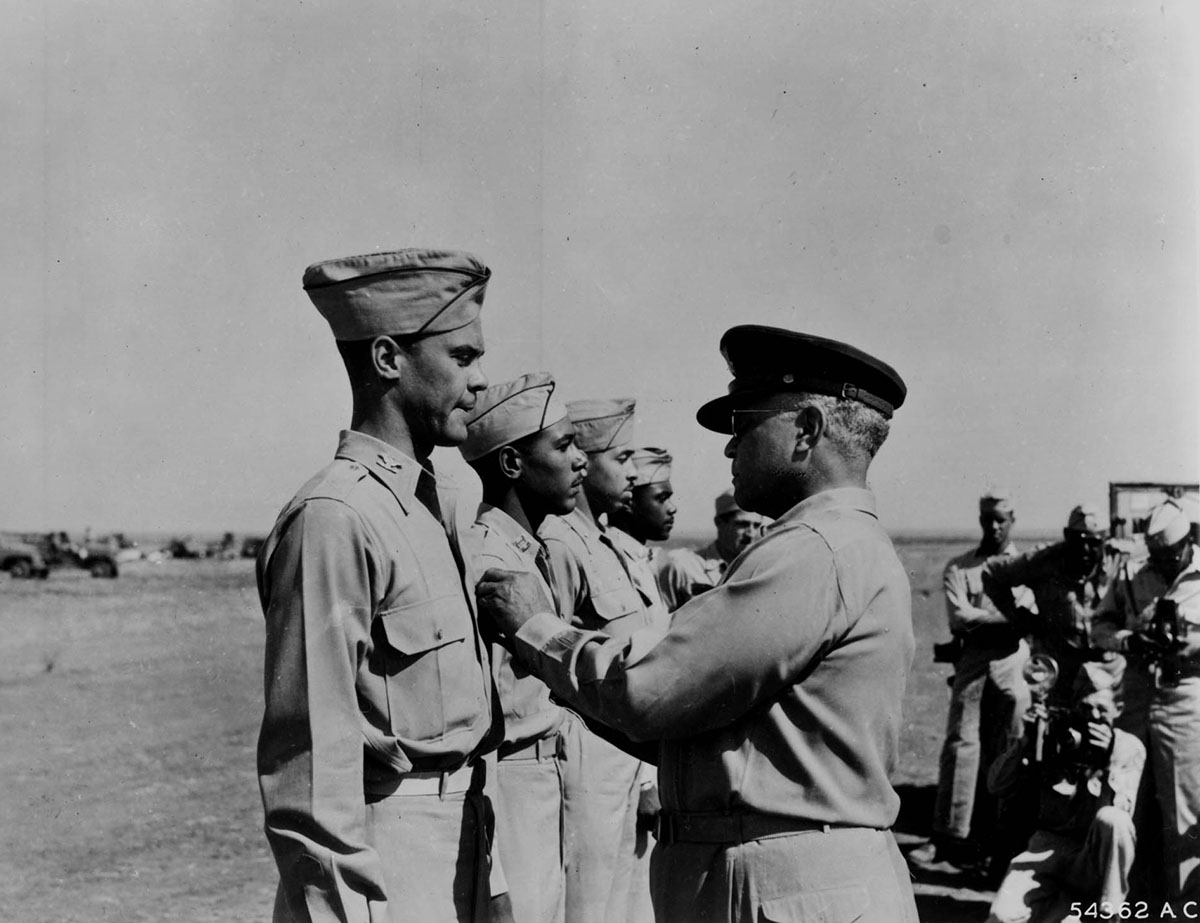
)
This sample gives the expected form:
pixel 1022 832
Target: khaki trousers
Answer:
pixel 529 837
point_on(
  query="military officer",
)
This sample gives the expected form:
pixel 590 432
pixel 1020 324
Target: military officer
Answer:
pixel 687 572
pixel 775 696
pixel 379 694
pixel 1151 613
pixel 607 879
pixel 521 442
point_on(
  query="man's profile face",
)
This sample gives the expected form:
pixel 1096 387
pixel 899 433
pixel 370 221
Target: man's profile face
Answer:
pixel 735 532
pixel 1097 707
pixel 552 469
pixel 609 481
pixel 996 525
pixel 761 451
pixel 653 511
pixel 439 381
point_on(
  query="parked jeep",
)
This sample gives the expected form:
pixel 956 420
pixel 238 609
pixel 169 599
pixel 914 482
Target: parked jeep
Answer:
pixel 21 559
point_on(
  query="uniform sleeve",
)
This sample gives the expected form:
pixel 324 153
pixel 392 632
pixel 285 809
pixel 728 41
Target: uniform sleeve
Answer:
pixel 673 583
pixel 724 652
pixel 960 610
pixel 1125 771
pixel 568 577
pixel 1108 624
pixel 316 596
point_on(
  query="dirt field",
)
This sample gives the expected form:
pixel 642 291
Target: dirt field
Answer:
pixel 129 709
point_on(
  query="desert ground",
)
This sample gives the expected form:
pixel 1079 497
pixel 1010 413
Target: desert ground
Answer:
pixel 129 711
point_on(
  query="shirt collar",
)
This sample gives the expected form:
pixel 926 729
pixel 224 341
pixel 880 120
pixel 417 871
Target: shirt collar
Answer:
pixel 853 498
pixel 395 470
pixel 510 530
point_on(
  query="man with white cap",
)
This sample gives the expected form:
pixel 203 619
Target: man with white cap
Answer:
pixel 688 572
pixel 988 696
pixel 773 698
pixel 603 784
pixel 1151 614
pixel 521 443
pixel 379 693
pixel 1068 579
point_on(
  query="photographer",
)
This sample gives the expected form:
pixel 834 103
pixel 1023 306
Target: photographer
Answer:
pixel 1152 614
pixel 1086 775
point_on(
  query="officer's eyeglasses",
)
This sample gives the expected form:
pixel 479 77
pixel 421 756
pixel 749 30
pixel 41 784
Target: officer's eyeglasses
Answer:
pixel 751 419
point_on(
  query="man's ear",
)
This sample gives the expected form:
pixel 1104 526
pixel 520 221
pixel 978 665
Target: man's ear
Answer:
pixel 387 358
pixel 810 428
pixel 510 462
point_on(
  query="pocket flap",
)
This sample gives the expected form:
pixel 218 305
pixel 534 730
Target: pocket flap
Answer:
pixel 832 905
pixel 424 626
pixel 616 604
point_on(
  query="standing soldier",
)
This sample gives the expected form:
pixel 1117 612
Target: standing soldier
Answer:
pixel 379 695
pixel 650 517
pixel 774 698
pixel 521 443
pixel 602 784
pixel 686 572
pixel 1151 613
pixel 1067 579
pixel 988 698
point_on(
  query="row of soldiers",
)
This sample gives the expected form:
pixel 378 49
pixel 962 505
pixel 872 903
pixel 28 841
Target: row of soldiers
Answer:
pixel 1106 643
pixel 493 714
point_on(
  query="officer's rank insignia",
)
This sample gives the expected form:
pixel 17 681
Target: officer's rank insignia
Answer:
pixel 387 463
pixel 523 544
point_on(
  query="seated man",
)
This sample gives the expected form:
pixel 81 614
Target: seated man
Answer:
pixel 1086 774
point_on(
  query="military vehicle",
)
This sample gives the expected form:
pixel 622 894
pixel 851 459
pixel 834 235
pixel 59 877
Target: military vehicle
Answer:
pixel 21 559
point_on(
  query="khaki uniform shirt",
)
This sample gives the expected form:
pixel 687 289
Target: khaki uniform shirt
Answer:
pixel 639 561
pixel 779 690
pixel 498 540
pixel 374 668
pixel 972 615
pixel 595 587
pixel 1129 605
pixel 685 573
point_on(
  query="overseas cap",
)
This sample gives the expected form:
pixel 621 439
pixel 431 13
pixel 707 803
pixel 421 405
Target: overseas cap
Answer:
pixel 651 466
pixel 1085 518
pixel 769 360
pixel 602 424
pixel 402 292
pixel 1168 524
pixel 504 413
pixel 1093 677
pixel 725 505
pixel 996 499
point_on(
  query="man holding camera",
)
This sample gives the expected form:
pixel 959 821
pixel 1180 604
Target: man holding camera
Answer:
pixel 1152 614
pixel 1086 775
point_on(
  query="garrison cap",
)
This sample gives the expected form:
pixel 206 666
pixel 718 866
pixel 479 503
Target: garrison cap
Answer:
pixel 400 292
pixel 726 505
pixel 504 413
pixel 996 499
pixel 602 424
pixel 1168 524
pixel 1085 518
pixel 651 466
pixel 770 360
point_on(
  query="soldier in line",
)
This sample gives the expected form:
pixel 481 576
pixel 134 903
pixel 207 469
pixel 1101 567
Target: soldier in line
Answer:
pixel 988 698
pixel 1067 579
pixel 602 784
pixel 774 698
pixel 687 572
pixel 380 703
pixel 521 443
pixel 1151 614
pixel 650 516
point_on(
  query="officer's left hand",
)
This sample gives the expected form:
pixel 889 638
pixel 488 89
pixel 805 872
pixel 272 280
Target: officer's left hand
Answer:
pixel 509 598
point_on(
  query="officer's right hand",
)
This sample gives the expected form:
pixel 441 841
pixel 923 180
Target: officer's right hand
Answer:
pixel 510 598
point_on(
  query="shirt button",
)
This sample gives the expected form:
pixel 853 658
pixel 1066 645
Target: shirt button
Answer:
pixel 438 634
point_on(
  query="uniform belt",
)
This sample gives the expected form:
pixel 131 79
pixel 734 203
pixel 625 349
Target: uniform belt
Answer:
pixel 545 748
pixel 437 782
pixel 733 828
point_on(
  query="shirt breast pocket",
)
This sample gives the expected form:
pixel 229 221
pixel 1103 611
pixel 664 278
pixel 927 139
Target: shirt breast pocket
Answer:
pixel 619 609
pixel 428 665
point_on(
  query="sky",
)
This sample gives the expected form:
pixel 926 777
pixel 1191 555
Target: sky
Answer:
pixel 1000 201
